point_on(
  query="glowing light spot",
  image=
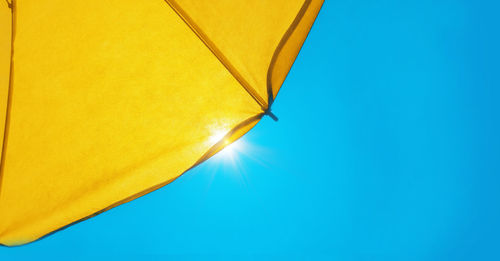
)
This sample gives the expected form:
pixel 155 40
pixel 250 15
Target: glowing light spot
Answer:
pixel 230 150
pixel 217 136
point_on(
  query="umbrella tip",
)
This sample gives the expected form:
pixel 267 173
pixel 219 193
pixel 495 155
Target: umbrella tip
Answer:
pixel 270 114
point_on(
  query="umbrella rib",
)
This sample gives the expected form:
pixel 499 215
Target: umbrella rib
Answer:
pixel 281 44
pixel 12 6
pixel 220 56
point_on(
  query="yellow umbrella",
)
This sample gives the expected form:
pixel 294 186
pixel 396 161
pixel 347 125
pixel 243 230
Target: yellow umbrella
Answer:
pixel 107 100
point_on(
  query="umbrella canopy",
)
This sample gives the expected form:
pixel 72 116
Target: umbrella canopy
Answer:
pixel 104 101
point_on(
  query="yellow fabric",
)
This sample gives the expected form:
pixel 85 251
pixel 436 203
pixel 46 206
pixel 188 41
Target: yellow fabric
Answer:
pixel 109 100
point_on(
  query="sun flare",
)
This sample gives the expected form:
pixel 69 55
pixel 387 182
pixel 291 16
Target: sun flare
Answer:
pixel 217 136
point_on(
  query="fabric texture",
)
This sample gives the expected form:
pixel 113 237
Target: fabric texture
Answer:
pixel 105 101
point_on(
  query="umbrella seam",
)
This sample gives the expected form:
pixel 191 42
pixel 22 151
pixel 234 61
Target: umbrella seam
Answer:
pixel 12 6
pixel 220 56
pixel 281 45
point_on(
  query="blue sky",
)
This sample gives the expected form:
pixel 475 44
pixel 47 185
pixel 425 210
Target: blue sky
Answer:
pixel 387 148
